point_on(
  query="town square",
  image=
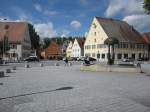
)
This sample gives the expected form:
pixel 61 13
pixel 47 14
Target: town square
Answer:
pixel 75 56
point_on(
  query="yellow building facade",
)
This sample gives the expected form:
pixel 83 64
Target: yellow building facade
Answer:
pixel 131 43
pixel 69 51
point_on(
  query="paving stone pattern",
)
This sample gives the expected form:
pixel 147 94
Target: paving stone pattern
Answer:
pixel 37 89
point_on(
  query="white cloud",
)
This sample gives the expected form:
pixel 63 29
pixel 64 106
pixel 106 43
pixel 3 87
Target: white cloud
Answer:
pixel 124 7
pixel 45 30
pixel 65 33
pixel 140 22
pixel 75 24
pixel 38 7
pixel 51 13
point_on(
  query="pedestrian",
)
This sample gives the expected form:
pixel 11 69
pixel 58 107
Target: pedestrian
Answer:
pixel 66 61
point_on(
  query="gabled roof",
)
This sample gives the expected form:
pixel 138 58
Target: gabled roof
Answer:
pixel 15 31
pixel 146 37
pixel 120 30
pixel 81 42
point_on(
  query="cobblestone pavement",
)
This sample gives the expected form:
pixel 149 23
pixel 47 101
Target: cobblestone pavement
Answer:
pixel 67 89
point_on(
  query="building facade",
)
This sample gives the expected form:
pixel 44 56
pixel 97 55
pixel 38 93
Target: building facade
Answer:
pixel 54 51
pixel 18 39
pixel 146 37
pixel 131 44
pixel 78 47
pixel 69 49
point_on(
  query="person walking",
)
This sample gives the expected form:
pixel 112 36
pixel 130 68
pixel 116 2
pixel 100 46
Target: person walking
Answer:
pixel 66 61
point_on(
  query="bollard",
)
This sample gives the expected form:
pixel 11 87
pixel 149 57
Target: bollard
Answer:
pixel 27 66
pixel 56 64
pixel 41 65
pixel 8 70
pixel 139 66
pixel 2 74
pixel 14 68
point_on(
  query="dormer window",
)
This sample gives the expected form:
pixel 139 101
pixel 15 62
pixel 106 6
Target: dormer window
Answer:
pixel 6 27
pixel 94 25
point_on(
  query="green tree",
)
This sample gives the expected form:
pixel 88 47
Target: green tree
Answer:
pixel 146 6
pixel 4 45
pixel 34 37
pixel 46 42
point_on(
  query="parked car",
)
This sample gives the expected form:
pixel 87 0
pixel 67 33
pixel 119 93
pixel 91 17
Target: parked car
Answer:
pixel 80 58
pixel 31 59
pixel 1 61
pixel 89 59
pixel 92 59
pixel 128 60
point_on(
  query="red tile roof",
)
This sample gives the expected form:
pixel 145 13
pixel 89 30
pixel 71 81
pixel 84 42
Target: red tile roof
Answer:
pixel 81 42
pixel 146 37
pixel 53 49
pixel 15 31
pixel 120 30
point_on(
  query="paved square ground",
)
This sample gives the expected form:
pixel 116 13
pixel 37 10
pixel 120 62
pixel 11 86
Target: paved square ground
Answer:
pixel 67 89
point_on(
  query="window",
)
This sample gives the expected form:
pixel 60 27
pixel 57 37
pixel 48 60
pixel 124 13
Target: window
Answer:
pixel 125 55
pixel 139 46
pixel 125 45
pixel 13 46
pixel 6 27
pixel 101 46
pixel 98 55
pixel 133 56
pixel 103 56
pixel 119 56
pixel 132 46
pixel 93 46
pixel 95 33
pixel 140 55
pixel 87 54
pixel 94 40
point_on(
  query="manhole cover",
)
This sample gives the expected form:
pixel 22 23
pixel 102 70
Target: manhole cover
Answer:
pixel 64 88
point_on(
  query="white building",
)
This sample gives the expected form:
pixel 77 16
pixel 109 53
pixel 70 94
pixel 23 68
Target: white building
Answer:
pixel 131 43
pixel 69 49
pixel 18 37
pixel 78 47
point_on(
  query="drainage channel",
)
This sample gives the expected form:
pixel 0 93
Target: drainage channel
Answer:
pixel 41 92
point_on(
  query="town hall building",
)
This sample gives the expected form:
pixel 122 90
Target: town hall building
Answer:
pixel 130 42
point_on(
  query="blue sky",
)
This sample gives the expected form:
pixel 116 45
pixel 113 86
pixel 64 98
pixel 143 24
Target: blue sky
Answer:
pixel 73 17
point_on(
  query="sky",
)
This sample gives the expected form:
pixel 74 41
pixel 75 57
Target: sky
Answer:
pixel 62 18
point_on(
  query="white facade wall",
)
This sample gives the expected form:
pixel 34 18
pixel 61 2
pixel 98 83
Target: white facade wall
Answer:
pixel 76 50
pixel 94 45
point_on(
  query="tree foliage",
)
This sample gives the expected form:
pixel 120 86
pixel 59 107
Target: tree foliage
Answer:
pixel 146 6
pixel 46 42
pixel 4 45
pixel 34 37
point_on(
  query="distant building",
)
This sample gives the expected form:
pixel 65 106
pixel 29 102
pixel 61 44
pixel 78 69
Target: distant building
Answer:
pixel 131 44
pixel 54 51
pixel 146 37
pixel 64 48
pixel 18 37
pixel 78 47
pixel 69 49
